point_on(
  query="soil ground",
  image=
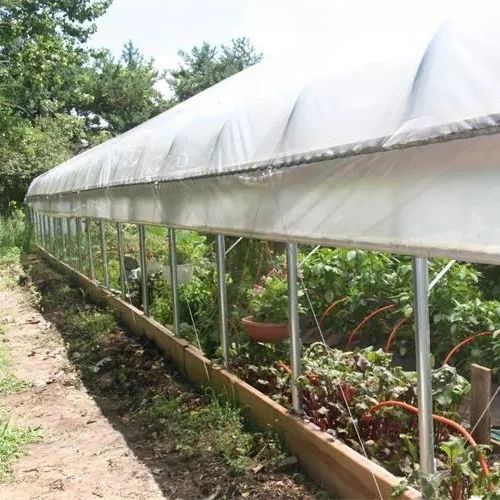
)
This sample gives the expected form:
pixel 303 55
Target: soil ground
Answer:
pixel 93 444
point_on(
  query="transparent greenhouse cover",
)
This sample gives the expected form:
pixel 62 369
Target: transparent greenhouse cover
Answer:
pixel 391 144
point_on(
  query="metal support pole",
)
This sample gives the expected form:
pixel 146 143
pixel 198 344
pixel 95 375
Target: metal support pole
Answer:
pixel 60 239
pixel 91 253
pixel 104 254
pixel 51 234
pixel 44 230
pixel 223 314
pixel 38 231
pixel 144 271
pixel 33 224
pixel 424 380
pixel 49 239
pixel 70 243
pixel 293 322
pixel 64 252
pixel 78 223
pixel 173 281
pixel 55 238
pixel 121 258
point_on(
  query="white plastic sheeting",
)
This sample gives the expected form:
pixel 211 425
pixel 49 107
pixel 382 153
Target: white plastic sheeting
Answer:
pixel 394 147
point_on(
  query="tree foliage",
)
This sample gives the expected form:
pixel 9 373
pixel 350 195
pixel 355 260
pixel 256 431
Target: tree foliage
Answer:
pixel 57 97
pixel 207 65
pixel 42 52
pixel 123 91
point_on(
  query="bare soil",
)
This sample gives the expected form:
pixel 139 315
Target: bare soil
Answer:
pixel 94 444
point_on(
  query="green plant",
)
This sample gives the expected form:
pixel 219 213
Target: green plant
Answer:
pixel 457 477
pixel 12 441
pixel 268 299
pixel 15 235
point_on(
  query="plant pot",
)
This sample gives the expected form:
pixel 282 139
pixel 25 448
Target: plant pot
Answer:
pixel 265 332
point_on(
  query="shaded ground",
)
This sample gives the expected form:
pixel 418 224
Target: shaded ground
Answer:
pixel 118 421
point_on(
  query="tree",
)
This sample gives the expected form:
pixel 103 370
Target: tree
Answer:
pixel 123 91
pixel 28 150
pixel 41 52
pixel 41 81
pixel 207 65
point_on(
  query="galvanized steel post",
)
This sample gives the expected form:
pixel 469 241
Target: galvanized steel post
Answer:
pixel 45 233
pixel 91 253
pixel 53 228
pixel 40 229
pixel 293 322
pixel 104 254
pixel 223 314
pixel 63 242
pixel 70 243
pixel 121 258
pixel 424 381
pixel 173 281
pixel 51 234
pixel 33 224
pixel 78 223
pixel 144 271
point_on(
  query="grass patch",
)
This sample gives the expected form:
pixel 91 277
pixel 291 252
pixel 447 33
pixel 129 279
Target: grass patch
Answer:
pixel 217 424
pixel 12 439
pixel 12 442
pixel 8 381
pixel 15 242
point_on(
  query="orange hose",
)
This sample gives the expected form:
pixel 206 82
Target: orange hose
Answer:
pixel 363 323
pixel 442 420
pixel 393 333
pixel 284 367
pixel 464 342
pixel 328 309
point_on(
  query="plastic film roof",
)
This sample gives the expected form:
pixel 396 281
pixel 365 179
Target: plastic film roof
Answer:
pixel 391 144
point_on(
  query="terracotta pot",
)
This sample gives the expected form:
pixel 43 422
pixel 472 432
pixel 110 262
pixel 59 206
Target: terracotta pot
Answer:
pixel 265 332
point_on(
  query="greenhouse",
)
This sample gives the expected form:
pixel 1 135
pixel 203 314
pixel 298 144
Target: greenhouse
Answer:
pixel 365 173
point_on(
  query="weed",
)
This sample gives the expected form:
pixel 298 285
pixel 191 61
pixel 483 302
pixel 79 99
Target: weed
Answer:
pixel 12 441
pixel 8 381
pixel 15 235
pixel 217 424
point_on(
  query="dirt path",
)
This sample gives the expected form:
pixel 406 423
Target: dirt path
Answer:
pixel 81 455
pixel 118 421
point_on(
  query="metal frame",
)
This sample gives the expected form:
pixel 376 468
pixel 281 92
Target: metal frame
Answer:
pixel 64 252
pixel 104 254
pixel 70 242
pixel 424 374
pixel 45 233
pixel 174 282
pixel 144 271
pixel 50 236
pixel 293 322
pixel 78 223
pixel 223 310
pixel 91 252
pixel 121 258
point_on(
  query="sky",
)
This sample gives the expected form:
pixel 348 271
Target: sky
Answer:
pixel 159 28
